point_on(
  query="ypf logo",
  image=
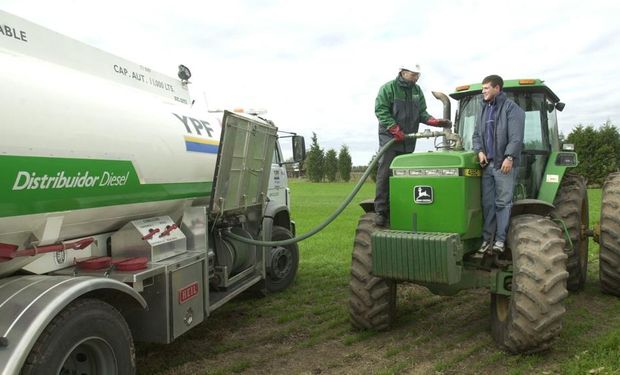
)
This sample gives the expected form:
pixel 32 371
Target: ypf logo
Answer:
pixel 423 194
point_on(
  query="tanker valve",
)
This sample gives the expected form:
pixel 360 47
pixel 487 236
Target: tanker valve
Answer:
pixel 8 252
pixel 169 228
pixel 79 245
pixel 93 263
pixel 130 264
pixel 150 234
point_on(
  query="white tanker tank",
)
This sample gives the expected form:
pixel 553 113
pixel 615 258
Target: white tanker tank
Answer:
pixel 91 141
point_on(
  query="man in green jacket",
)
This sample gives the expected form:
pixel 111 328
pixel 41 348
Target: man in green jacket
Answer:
pixel 400 108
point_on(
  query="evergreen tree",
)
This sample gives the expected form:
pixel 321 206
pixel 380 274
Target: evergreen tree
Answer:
pixel 609 135
pixel 315 161
pixel 331 165
pixel 344 164
pixel 598 151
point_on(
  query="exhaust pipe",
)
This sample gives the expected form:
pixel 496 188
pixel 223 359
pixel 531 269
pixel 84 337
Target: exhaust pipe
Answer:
pixel 452 141
pixel 445 101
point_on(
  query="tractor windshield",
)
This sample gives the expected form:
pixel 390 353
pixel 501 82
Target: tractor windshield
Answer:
pixel 537 119
pixel 540 135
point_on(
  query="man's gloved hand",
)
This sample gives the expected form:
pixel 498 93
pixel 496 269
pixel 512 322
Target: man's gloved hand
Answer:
pixel 441 122
pixel 397 133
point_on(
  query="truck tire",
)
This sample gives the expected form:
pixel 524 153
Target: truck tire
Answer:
pixel 531 317
pixel 372 302
pixel 571 206
pixel 283 262
pixel 88 337
pixel 609 241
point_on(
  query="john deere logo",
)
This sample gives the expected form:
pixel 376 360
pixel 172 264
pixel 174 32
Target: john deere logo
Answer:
pixel 423 194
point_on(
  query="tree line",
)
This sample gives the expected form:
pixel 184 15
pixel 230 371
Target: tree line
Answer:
pixel 598 151
pixel 327 166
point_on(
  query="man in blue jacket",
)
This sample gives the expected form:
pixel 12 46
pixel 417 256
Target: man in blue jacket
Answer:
pixel 498 139
pixel 400 107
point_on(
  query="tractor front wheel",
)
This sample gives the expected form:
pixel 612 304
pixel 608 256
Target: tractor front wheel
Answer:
pixel 610 236
pixel 530 318
pixel 372 302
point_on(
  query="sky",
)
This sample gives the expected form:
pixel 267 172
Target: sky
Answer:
pixel 316 66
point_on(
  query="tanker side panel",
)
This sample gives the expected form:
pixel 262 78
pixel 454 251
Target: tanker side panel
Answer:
pixel 73 142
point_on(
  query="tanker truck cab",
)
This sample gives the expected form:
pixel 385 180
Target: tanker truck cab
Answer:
pixel 114 213
pixel 279 192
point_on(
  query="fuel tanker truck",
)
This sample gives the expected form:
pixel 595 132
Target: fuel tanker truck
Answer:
pixel 115 195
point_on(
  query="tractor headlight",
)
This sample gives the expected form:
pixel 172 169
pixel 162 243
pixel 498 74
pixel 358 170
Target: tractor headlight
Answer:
pixel 431 172
pixel 450 172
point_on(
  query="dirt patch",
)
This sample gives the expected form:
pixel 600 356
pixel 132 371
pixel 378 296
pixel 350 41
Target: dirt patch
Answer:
pixel 432 335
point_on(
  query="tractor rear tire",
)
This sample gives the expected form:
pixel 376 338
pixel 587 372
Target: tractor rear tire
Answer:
pixel 372 303
pixel 571 206
pixel 609 240
pixel 531 317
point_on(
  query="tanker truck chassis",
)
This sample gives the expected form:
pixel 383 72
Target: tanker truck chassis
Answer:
pixel 116 198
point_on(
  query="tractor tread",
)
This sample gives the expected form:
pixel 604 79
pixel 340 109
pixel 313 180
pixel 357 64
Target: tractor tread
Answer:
pixel 536 308
pixel 570 203
pixel 372 301
pixel 609 241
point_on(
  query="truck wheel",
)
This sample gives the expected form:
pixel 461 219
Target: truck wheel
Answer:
pixel 372 302
pixel 88 337
pixel 530 318
pixel 571 206
pixel 283 262
pixel 610 236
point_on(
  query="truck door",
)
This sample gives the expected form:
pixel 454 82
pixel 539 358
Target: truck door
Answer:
pixel 278 191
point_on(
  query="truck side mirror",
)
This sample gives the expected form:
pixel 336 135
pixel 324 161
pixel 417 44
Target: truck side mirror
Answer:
pixel 560 106
pixel 299 148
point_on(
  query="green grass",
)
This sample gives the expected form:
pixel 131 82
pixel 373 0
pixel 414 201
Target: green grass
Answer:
pixel 442 334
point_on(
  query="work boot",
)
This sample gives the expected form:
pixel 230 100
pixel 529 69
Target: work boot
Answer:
pixel 498 247
pixel 381 219
pixel 486 246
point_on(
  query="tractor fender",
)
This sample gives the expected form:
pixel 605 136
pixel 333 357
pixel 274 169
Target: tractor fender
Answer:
pixel 29 303
pixel 531 206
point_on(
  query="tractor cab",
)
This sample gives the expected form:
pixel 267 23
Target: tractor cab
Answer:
pixel 541 138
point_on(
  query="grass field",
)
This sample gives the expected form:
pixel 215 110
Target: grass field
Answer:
pixel 305 329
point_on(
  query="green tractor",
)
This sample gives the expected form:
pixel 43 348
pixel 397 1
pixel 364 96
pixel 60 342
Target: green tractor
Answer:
pixel 436 227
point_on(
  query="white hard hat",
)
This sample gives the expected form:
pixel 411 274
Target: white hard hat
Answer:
pixel 411 67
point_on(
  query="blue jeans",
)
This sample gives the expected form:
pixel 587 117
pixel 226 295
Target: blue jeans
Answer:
pixel 497 190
